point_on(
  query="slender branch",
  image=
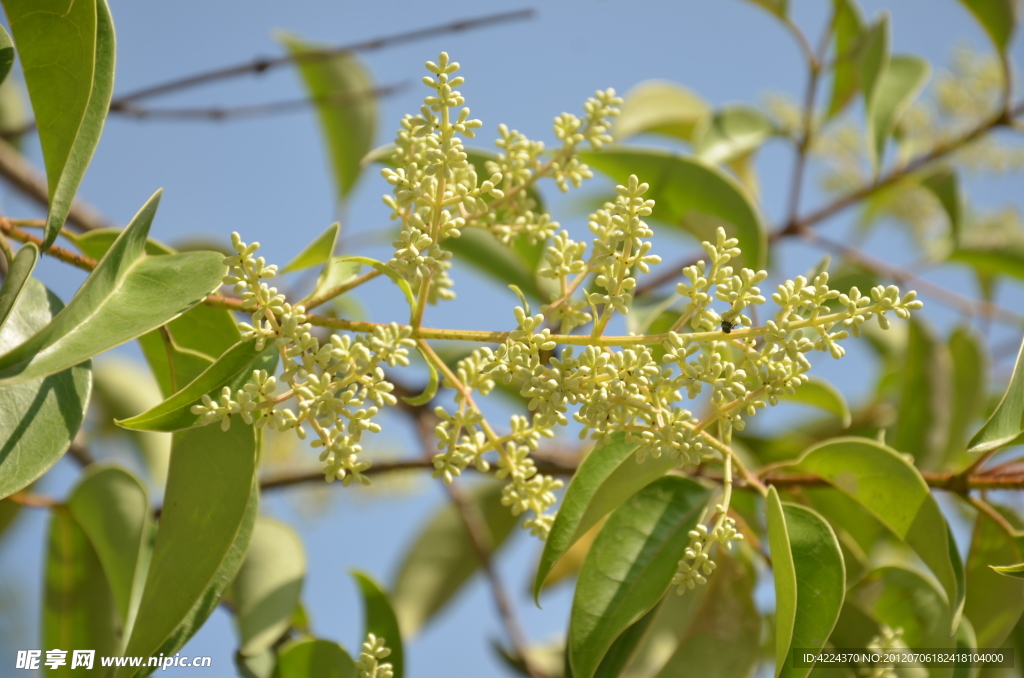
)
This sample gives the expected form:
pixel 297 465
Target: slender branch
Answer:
pixel 24 177
pixel 55 251
pixel 261 65
pixel 30 500
pixel 966 305
pixel 338 100
pixel 997 517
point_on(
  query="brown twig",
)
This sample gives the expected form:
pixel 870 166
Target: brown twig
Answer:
pixel 29 500
pixel 338 100
pixel 24 177
pixel 67 256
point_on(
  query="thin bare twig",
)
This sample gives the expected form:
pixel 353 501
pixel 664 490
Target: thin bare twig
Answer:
pixel 337 100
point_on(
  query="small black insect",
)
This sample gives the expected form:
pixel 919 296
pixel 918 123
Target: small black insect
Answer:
pixel 727 326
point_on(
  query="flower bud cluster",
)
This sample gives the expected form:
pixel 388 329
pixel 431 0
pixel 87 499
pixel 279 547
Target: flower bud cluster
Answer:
pixel 369 663
pixel 338 386
pixel 438 192
pixel 697 565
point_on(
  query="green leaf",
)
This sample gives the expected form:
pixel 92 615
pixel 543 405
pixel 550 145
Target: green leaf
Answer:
pixel 127 295
pixel 112 507
pixel 381 621
pixel 625 646
pixel 926 375
pixel 810 580
pixel 945 186
pixel 1015 571
pixel 723 638
pixel 17 277
pixel 267 587
pixel 630 566
pixel 969 392
pixel 731 133
pixel 67 55
pixel 691 195
pixel 901 598
pixel 661 107
pixel 233 369
pixel 779 8
pixel 902 80
pixel 207 519
pixel 346 104
pixel 336 271
pixel 608 476
pixel 121 389
pixel 892 490
pixel 986 259
pixel 317 252
pixel 38 419
pixel 994 603
pixel 872 63
pixel 824 396
pixel 482 250
pixel 6 53
pixel 966 641
pixel 78 608
pixel 1007 422
pixel 442 558
pixel 94 244
pixel 997 17
pixel 847 26
pixel 314 658
pixel 197 338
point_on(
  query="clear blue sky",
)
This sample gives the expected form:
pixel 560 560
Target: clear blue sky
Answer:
pixel 268 179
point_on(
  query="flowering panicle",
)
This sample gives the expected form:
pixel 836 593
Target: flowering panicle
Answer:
pixel 697 564
pixel 369 663
pixel 338 386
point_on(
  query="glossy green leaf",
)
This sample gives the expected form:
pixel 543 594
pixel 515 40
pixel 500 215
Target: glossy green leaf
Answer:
pixel 674 617
pixel 66 49
pixel 994 603
pixel 898 86
pixel 1007 422
pixel 18 274
pixel 381 621
pixel 316 252
pixel 608 476
pixel 691 195
pixel 233 369
pixel 94 244
pixel 1015 571
pixel 847 26
pixel 824 396
pixel 267 587
pixel 966 641
pixel 625 646
pixel 731 133
pixel 969 392
pixel 630 566
pixel 892 490
pixel 997 17
pixel 127 295
pixel 78 610
pixel 197 338
pixel 6 53
pixel 442 558
pixel 661 107
pixel 925 376
pixel 901 598
pixel 112 508
pixel 207 519
pixel 314 658
pixel 810 581
pixel 38 419
pixel 346 104
pixel 945 186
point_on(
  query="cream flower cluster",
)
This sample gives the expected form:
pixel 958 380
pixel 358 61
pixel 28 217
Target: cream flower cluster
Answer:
pixel 369 663
pixel 338 386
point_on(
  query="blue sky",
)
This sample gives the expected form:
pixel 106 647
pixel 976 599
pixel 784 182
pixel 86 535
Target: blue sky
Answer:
pixel 268 179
